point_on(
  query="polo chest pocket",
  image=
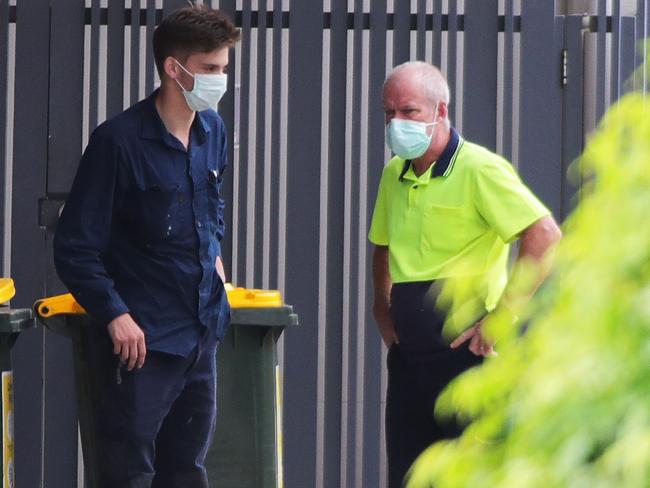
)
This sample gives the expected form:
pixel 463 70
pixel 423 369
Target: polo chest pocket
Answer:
pixel 444 229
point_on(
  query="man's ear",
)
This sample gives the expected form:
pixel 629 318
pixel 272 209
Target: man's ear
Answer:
pixel 443 111
pixel 171 68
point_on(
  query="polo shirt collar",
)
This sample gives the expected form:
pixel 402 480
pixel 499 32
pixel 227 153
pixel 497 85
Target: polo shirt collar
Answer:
pixel 445 163
pixel 154 128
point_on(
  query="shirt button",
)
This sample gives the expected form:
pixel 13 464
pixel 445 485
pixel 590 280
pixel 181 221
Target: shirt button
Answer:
pixel 198 224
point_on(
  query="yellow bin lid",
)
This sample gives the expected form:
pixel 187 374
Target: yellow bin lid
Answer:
pixel 7 290
pixel 253 298
pixel 237 297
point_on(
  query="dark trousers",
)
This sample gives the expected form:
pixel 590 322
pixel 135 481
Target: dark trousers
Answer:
pixel 419 368
pixel 154 425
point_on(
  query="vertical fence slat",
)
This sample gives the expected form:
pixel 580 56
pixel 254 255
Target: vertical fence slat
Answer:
pixel 401 31
pixel 508 81
pixel 601 67
pixel 366 409
pixel 437 32
pixel 627 50
pixel 540 152
pixel 115 58
pixel 240 166
pixel 134 85
pixel 374 458
pixel 642 20
pixel 265 100
pixel 302 225
pixel 480 72
pixel 260 254
pixel 421 28
pixel 615 68
pixel 28 248
pixel 65 104
pixel 353 219
pixel 252 143
pixel 573 113
pixel 276 134
pixel 4 57
pixel 93 58
pixel 452 53
pixel 333 345
pixel 151 25
pixel 349 364
pixel 323 241
pixel 283 155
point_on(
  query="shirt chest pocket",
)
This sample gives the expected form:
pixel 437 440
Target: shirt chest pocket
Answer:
pixel 444 229
pixel 151 212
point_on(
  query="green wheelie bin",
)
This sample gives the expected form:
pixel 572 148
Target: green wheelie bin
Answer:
pixel 247 448
pixel 12 322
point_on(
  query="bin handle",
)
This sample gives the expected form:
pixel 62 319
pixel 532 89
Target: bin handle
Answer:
pixel 60 304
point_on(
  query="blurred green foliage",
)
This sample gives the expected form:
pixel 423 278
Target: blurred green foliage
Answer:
pixel 567 404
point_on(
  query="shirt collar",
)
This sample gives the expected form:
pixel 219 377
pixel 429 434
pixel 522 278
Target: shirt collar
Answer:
pixel 154 128
pixel 445 163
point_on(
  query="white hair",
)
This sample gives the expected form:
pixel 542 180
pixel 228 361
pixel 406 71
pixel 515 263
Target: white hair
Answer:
pixel 433 81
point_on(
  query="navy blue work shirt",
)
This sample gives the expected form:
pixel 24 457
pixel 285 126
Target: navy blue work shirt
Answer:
pixel 141 229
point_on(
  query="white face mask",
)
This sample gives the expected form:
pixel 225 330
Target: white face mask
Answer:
pixel 408 138
pixel 207 91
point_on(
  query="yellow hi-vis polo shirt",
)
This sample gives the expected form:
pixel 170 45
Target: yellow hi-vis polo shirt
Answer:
pixel 454 221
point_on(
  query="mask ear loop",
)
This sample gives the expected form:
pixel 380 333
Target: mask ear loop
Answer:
pixel 184 69
pixel 435 122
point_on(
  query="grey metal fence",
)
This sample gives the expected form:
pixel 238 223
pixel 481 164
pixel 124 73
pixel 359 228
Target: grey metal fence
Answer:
pixel 529 79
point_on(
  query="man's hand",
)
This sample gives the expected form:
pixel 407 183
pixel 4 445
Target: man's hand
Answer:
pixel 386 325
pixel 128 340
pixel 479 345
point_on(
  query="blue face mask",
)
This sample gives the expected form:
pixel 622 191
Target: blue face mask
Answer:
pixel 408 139
pixel 207 91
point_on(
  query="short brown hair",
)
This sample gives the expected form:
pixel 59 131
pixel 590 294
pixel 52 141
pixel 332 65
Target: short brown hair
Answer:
pixel 192 29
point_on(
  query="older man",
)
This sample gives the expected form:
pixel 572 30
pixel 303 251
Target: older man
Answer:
pixel 446 212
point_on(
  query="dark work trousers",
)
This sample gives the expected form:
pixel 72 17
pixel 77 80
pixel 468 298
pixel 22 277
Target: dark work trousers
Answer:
pixel 154 425
pixel 419 368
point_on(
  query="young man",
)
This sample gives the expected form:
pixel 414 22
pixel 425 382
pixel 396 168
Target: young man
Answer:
pixel 138 245
pixel 446 210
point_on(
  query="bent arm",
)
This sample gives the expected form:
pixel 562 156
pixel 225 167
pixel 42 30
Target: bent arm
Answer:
pixel 531 269
pixel 535 253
